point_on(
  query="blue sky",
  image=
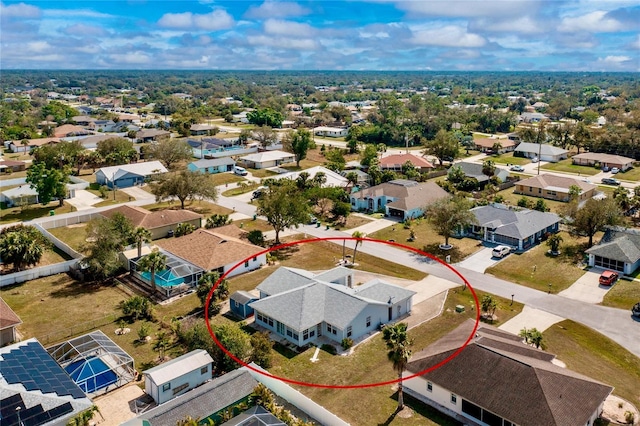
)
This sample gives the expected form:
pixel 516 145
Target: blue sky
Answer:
pixel 509 35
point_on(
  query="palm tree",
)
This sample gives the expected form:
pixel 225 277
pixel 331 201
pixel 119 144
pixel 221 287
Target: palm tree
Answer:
pixel 141 235
pixel 154 261
pixel 359 235
pixel 161 344
pixel 25 143
pixel 399 345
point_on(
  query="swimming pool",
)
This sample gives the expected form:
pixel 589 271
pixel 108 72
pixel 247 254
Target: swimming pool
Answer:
pixel 91 374
pixel 164 278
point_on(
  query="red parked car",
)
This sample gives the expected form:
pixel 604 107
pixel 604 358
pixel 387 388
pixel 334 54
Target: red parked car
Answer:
pixel 608 277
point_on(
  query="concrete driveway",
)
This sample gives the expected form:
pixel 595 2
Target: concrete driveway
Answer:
pixel 138 193
pixel 587 288
pixel 530 318
pixel 479 261
pixel 84 200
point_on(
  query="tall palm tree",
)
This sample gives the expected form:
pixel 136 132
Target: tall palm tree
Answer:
pixel 359 235
pixel 141 235
pixel 399 345
pixel 154 261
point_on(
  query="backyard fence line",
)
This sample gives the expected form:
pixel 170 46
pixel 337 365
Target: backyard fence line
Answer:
pixel 77 329
pixel 75 219
pixel 35 273
pixel 57 242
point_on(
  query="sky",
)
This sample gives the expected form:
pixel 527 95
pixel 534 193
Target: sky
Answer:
pixel 451 35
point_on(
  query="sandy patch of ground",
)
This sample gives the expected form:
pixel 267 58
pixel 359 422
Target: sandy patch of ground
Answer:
pixel 615 409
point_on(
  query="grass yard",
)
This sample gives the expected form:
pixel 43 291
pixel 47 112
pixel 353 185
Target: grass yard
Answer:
pixel 225 178
pixel 428 240
pixel 205 208
pixel 17 214
pixel 594 355
pixel 354 221
pixel 566 166
pixel 630 175
pixel 12 175
pixel 511 198
pixel 508 158
pixel 536 269
pixel 53 256
pixel 120 197
pixel 75 236
pixel 623 295
pixel 240 188
pixel 262 173
pixel 250 225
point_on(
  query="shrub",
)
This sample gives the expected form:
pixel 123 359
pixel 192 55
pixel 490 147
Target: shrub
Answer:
pixel 347 343
pixel 104 191
pixel 137 307
pixel 629 417
pixel 256 237
pixel 184 229
pixel 329 348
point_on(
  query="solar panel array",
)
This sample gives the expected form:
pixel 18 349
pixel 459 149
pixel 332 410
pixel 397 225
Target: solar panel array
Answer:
pixel 34 368
pixel 10 415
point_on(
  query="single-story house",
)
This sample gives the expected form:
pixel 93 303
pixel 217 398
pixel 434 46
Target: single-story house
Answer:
pixel 399 198
pixel 532 117
pixel 91 142
pixel 301 307
pixel 240 303
pixel 396 161
pixel 499 380
pixel 519 228
pixel 474 170
pixel 605 160
pixel 619 250
pixel 9 166
pixel 486 145
pixel 331 178
pixel 202 129
pixel 152 135
pixel 331 132
pixel 207 147
pixel 363 178
pixel 554 187
pixel 257 416
pixel 16 146
pixel 83 120
pixel 178 376
pixel 159 223
pixel 264 160
pixel 127 175
pixel 217 249
pixel 542 151
pixel 70 130
pixel 213 165
pixel 9 320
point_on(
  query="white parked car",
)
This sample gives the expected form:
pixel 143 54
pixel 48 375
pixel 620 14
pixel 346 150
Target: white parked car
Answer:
pixel 501 251
pixel 615 170
pixel 534 160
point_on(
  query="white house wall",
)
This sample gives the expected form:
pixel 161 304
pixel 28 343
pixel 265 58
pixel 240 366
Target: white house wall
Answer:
pixel 439 396
pixel 252 264
pixel 184 383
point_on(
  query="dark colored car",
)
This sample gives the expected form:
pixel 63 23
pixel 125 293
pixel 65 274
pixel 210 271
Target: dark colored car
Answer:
pixel 610 181
pixel 608 277
pixel 635 311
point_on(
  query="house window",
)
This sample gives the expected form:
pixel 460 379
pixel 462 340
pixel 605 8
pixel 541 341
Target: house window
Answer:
pixel 280 328
pixel 246 264
pixel 305 334
pixel 255 259
pixel 296 337
pixel 236 304
pixel 331 329
pixel 166 387
pixel 259 317
pixel 454 398
pixel 429 387
pixel 312 333
pixel 349 331
pixel 539 190
pixel 368 321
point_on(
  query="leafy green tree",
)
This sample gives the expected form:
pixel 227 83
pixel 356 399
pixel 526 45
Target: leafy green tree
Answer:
pixel 59 155
pixel 171 152
pixel 143 332
pixel 161 344
pixel 236 341
pixel 540 205
pixel 107 238
pixel 184 229
pixel 398 343
pixel 245 134
pixel 58 112
pixel 444 146
pixel 488 167
pixel 84 418
pixel 488 305
pixel 449 215
pixel 335 160
pixel 205 284
pixel 369 155
pixel 595 216
pixel 298 144
pixel 48 183
pixel 152 263
pixel 261 346
pixel 22 245
pixel 256 237
pixel 283 206
pixel 137 307
pixel 141 235
pixel 115 151
pixel 265 135
pixel 217 220
pixel 532 337
pixel 265 117
pixel 184 185
pixel 553 242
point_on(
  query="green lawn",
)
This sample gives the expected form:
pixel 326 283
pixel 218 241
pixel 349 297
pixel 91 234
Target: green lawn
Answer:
pixel 536 269
pixel 225 178
pixel 566 166
pixel 428 240
pixel 596 356
pixel 240 188
pixel 623 295
pixel 16 214
pixel 632 175
pixel 512 199
pixel 12 175
pixel 250 225
pixel 508 158
pixel 120 197
pixel 205 208
pixel 75 236
pixel 262 173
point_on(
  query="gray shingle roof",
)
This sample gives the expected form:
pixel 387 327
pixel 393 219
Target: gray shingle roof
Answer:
pixel 514 223
pixel 284 279
pixel 204 400
pixel 544 149
pixel 382 292
pixel 619 244
pixel 178 366
pixel 255 416
pixel 242 297
pixel 510 379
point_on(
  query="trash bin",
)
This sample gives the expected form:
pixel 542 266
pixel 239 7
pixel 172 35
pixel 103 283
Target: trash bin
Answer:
pixel 255 217
pixel 52 212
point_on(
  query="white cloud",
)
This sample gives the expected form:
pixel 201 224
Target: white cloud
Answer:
pixel 84 30
pixel 283 43
pixel 636 43
pixel 288 28
pixel 213 21
pixel 447 36
pixel 276 9
pixel 131 58
pixel 594 22
pixel 469 8
pixel 20 10
pixel 75 13
pixel 614 59
pixel 521 25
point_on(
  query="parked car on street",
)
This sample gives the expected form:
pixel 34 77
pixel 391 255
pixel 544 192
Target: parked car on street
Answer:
pixel 501 251
pixel 608 277
pixel 610 181
pixel 517 168
pixel 615 170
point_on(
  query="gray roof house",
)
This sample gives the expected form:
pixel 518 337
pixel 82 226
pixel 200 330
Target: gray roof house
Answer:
pixel 618 250
pixel 519 228
pixel 127 175
pixel 474 170
pixel 499 380
pixel 544 151
pixel 303 307
pixel 213 165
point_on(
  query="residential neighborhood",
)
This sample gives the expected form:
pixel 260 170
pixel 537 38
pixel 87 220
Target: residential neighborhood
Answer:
pixel 342 258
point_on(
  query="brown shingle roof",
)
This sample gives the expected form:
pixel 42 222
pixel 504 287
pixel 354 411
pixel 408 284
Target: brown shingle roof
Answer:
pixel 512 380
pixel 555 182
pixel 408 194
pixel 150 220
pixel 8 318
pixel 69 129
pixel 208 249
pixel 397 160
pixel 488 142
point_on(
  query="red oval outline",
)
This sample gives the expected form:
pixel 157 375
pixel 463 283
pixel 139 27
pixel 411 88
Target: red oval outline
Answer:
pixel 321 385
